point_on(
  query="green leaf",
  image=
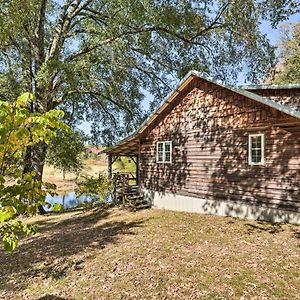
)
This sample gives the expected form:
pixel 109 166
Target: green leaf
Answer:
pixel 10 243
pixel 24 99
pixel 57 207
pixel 6 213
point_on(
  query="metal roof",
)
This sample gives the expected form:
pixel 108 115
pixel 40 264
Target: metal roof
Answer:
pixel 271 86
pixel 242 90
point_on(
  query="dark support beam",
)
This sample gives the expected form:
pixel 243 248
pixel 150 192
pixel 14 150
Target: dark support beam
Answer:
pixel 110 162
pixel 111 159
pixel 137 176
pixel 133 159
pixel 116 157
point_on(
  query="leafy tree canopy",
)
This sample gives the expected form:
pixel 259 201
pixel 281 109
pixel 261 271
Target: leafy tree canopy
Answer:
pixel 288 69
pixel 94 58
pixel 65 151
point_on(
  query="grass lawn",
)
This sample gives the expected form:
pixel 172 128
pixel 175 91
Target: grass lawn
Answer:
pixel 152 254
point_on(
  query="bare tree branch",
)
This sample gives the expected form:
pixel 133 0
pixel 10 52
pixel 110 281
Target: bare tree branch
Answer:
pixel 151 75
pixel 61 26
pixel 94 93
pixel 134 31
pixel 107 112
pixel 214 24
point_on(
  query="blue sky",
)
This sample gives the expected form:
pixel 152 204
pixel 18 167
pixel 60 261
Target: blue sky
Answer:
pixel 273 35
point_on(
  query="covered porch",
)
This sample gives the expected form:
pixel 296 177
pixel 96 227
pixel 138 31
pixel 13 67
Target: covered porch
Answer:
pixel 126 183
pixel 128 148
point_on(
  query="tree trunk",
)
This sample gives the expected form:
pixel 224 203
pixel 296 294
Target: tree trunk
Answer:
pixel 34 162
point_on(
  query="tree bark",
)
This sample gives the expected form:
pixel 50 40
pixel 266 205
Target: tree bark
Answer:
pixel 34 162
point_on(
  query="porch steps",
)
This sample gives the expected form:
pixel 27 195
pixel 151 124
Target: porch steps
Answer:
pixel 135 201
pixel 131 198
pixel 128 195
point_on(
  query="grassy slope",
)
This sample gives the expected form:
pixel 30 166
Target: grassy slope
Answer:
pixel 153 254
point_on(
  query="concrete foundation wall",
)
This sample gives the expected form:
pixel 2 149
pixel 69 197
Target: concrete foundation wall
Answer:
pixel 164 200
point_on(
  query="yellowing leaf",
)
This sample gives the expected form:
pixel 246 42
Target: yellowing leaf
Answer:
pixel 6 213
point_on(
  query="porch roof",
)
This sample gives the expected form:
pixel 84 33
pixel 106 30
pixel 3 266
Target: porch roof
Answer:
pixel 126 147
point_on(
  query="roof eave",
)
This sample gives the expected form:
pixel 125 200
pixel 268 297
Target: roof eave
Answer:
pixel 286 86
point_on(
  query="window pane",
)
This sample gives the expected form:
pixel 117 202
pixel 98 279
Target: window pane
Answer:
pixel 256 142
pixel 164 152
pixel 256 159
pixel 160 156
pixel 253 142
pixel 256 155
pixel 160 146
pixel 256 152
pixel 160 151
pixel 167 146
pixel 167 156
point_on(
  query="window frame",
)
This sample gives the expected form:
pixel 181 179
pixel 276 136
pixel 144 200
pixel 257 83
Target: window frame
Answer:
pixel 164 152
pixel 157 156
pixel 262 162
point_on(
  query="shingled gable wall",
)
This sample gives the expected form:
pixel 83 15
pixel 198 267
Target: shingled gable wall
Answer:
pixel 209 127
pixel 290 97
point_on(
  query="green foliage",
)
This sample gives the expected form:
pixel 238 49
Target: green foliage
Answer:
pixel 289 66
pixel 65 151
pixel 10 233
pixel 21 193
pixel 57 207
pixel 96 188
pixel 6 213
pixel 124 164
pixel 98 59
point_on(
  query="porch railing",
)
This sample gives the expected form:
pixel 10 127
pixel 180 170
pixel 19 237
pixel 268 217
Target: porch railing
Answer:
pixel 124 184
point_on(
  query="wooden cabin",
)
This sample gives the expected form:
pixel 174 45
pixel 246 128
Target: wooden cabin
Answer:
pixel 217 149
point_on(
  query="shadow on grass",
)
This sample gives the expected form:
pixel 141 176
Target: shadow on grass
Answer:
pixel 296 233
pixel 51 297
pixel 268 227
pixel 61 247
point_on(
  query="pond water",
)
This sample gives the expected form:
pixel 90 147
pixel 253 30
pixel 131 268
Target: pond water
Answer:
pixel 69 200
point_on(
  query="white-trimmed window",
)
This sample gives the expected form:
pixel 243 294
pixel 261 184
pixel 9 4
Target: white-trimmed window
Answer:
pixel 164 152
pixel 256 149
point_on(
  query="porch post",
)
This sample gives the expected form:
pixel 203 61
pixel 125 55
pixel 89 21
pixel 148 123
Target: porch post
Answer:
pixel 137 170
pixel 109 159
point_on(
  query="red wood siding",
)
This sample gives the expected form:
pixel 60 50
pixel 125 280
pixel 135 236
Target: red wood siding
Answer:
pixel 209 128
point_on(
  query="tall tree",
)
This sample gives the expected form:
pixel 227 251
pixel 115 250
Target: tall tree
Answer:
pixel 65 151
pixel 288 68
pixel 94 58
